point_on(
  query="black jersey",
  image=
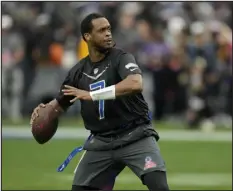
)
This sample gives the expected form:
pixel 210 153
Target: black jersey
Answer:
pixel 106 115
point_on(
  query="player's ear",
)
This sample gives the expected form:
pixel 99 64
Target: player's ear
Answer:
pixel 87 36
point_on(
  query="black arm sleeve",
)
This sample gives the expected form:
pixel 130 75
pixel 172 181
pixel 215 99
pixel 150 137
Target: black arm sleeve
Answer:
pixel 64 101
pixel 127 65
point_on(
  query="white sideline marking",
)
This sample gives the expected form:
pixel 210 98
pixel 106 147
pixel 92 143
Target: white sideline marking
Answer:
pixel 178 179
pixel 165 135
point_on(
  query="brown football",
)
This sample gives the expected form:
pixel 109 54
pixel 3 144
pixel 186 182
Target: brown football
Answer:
pixel 45 125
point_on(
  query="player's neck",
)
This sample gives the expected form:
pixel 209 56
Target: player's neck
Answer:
pixel 96 55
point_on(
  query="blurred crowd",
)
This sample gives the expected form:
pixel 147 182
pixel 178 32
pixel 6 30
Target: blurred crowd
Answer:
pixel 183 48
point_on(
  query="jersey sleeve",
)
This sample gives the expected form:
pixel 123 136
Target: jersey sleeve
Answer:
pixel 127 66
pixel 64 101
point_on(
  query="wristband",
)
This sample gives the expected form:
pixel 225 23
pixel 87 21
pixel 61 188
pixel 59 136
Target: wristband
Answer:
pixel 103 94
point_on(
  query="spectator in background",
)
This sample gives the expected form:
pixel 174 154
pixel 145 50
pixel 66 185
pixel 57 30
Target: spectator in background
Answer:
pixel 178 68
pixel 145 37
pixel 12 76
pixel 158 56
pixel 43 37
pixel 69 46
pixel 56 53
pixel 110 9
pixel 125 34
pixel 198 106
pixel 82 49
pixel 203 59
pixel 200 46
pixel 222 39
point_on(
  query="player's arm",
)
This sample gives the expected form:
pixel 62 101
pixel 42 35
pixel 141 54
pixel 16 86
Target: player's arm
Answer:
pixel 60 104
pixel 130 74
pixel 130 85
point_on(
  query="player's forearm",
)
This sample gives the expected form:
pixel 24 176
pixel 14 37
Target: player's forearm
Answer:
pixel 57 108
pixel 131 85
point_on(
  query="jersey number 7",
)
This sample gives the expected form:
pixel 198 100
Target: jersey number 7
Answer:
pixel 96 86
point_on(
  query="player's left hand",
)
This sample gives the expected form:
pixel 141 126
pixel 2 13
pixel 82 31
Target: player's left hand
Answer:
pixel 79 94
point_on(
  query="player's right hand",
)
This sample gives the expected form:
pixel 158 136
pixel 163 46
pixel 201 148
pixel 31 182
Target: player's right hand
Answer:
pixel 35 112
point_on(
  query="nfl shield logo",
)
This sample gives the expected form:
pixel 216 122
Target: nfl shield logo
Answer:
pixel 149 163
pixel 96 70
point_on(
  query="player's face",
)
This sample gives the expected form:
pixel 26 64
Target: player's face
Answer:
pixel 101 35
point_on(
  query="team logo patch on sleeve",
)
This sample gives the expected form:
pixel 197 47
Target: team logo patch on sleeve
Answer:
pixel 131 66
pixel 149 163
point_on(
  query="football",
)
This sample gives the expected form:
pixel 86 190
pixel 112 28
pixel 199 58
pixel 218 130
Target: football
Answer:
pixel 45 125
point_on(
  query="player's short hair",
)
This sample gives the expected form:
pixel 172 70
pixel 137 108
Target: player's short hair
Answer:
pixel 86 24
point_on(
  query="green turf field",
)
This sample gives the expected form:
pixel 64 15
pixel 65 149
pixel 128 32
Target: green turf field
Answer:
pixel 190 165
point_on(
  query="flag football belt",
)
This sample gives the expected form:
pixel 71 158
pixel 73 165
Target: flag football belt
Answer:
pixel 71 156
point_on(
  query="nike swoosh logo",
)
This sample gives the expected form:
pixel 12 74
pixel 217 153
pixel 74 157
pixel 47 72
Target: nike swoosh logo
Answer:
pixel 133 69
pixel 96 77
